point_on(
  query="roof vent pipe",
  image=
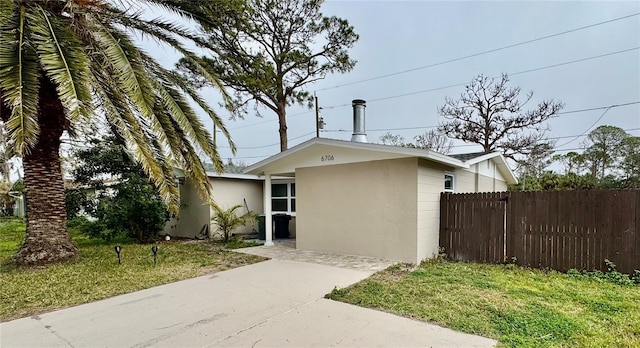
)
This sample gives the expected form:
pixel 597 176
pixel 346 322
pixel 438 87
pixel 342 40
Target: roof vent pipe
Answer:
pixel 359 133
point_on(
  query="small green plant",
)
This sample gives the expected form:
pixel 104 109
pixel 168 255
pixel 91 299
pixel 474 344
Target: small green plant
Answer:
pixel 612 275
pixel 228 220
pixel 574 273
pixel 336 293
pixel 616 277
pixel 636 276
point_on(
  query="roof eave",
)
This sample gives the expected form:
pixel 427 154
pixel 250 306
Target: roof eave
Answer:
pixel 258 168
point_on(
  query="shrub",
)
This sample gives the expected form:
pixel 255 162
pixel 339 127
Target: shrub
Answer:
pixel 127 204
pixel 135 211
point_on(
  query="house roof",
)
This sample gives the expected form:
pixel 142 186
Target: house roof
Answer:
pixel 468 156
pixel 179 173
pixel 304 154
pixel 387 151
pixel 214 174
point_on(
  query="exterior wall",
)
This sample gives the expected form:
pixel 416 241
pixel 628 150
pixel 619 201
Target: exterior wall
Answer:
pixel 229 192
pixel 430 185
pixel 194 213
pixel 226 192
pixel 481 177
pixel 464 181
pixel 364 208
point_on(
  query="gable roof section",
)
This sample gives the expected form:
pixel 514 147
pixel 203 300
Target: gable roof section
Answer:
pixel 495 157
pixel 381 152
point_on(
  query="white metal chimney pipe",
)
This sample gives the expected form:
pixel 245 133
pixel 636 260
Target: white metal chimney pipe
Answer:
pixel 359 133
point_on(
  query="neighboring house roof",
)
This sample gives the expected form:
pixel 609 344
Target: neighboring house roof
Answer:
pixel 468 156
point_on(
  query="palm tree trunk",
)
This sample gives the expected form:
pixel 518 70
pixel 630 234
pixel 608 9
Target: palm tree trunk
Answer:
pixel 47 240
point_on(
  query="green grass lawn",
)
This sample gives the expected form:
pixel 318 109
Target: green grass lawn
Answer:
pixel 97 275
pixel 518 307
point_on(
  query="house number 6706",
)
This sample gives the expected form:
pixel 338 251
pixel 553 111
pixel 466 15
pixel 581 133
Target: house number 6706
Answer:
pixel 326 158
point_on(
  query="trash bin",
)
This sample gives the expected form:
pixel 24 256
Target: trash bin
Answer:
pixel 261 229
pixel 282 225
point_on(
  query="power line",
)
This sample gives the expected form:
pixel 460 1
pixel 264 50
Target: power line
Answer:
pixel 586 130
pixel 479 53
pixel 451 86
pixel 263 146
pixel 270 120
pixel 466 145
pixel 516 73
pixel 559 113
pixel 554 138
pixel 576 61
pixel 426 127
pixel 583 134
pixel 599 108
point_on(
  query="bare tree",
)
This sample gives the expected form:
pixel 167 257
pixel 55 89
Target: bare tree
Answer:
pixel 490 113
pixel 434 141
pixel 392 139
pixel 431 140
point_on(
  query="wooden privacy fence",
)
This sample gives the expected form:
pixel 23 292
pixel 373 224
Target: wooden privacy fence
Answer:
pixel 550 229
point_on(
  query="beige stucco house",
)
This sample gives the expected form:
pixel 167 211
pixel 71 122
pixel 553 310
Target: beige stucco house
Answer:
pixel 375 200
pixel 353 197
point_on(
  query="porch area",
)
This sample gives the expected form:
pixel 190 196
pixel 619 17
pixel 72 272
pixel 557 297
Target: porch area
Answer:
pixel 285 249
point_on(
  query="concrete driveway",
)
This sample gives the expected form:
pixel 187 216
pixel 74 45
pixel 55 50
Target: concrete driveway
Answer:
pixel 273 303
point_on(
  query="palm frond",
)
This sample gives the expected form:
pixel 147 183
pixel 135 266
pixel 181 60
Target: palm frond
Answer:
pixel 62 57
pixel 161 32
pixel 178 80
pixel 121 55
pixel 19 78
pixel 194 170
pixel 182 113
pixel 120 115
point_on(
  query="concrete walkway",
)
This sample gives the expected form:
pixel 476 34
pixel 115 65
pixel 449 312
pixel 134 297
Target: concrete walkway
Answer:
pixel 285 249
pixel 275 303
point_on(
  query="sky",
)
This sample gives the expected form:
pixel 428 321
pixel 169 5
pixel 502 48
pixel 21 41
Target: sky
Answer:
pixel 396 36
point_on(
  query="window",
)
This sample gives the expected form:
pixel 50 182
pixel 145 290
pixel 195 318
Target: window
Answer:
pixel 283 198
pixel 448 183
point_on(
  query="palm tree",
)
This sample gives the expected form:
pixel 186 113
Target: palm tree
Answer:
pixel 68 63
pixel 228 220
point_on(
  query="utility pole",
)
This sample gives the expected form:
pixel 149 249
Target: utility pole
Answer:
pixel 317 116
